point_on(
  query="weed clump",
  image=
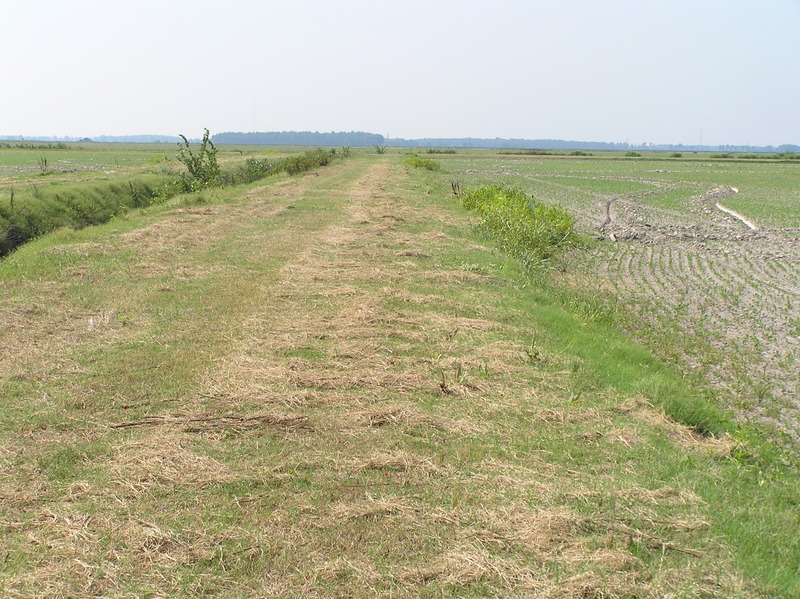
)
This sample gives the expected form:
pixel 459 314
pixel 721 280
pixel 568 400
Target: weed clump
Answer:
pixel 419 162
pixel 531 231
pixel 305 162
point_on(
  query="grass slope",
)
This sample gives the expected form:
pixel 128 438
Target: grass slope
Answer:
pixel 329 386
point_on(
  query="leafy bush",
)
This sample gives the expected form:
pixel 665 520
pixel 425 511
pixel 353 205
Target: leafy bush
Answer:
pixel 531 152
pixel 632 154
pixel 305 162
pixel 203 168
pixel 538 152
pixel 252 170
pixel 530 230
pixel 778 156
pixel 35 146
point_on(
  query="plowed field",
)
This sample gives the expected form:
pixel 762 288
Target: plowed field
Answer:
pixel 676 239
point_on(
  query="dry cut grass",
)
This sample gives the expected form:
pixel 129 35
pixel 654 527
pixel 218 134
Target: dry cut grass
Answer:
pixel 340 422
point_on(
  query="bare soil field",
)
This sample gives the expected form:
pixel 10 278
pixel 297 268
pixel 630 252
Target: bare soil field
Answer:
pixel 723 283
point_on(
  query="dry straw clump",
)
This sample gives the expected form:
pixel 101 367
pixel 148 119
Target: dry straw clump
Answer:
pixel 164 460
pixel 683 436
pixel 397 461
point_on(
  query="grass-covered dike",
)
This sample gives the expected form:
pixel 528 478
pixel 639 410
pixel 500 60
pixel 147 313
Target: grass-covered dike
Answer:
pixel 537 234
pixel 337 385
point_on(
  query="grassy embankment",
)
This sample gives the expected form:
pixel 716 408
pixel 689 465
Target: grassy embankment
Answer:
pixel 330 386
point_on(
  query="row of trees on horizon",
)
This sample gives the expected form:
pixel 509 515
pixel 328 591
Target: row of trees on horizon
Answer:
pixel 364 139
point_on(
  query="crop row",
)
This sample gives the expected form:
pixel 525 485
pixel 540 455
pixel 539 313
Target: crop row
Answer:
pixel 736 298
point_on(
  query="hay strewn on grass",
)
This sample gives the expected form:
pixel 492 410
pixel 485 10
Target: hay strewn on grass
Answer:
pixel 318 408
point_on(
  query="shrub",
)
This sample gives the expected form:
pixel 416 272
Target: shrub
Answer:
pixel 306 161
pixel 632 154
pixel 529 230
pixel 203 168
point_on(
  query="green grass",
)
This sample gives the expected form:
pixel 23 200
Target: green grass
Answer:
pixel 44 206
pixel 528 229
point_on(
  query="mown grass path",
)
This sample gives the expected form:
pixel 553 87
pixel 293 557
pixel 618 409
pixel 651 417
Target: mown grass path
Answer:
pixel 327 387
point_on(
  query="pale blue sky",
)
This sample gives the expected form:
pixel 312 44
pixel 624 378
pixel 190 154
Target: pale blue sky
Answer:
pixel 677 71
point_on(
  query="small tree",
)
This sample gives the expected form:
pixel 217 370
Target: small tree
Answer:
pixel 380 149
pixel 203 168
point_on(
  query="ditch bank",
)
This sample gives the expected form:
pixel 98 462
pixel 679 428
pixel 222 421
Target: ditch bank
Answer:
pixel 37 211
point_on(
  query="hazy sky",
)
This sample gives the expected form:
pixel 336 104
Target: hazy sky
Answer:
pixel 657 71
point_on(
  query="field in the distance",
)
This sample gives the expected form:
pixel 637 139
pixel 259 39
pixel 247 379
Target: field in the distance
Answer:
pixel 721 296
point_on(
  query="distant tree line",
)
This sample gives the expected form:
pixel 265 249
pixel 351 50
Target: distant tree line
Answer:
pixel 561 144
pixel 300 138
pixel 362 139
